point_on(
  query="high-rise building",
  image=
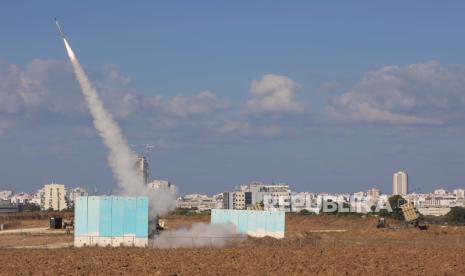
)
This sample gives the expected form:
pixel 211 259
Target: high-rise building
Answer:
pixel 400 183
pixel 52 196
pixel 142 168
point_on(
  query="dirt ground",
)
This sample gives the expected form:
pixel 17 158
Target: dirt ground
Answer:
pixel 310 248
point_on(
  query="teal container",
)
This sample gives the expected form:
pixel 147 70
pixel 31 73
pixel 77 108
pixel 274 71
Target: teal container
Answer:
pixel 117 216
pixel 111 216
pixel 253 223
pixel 80 216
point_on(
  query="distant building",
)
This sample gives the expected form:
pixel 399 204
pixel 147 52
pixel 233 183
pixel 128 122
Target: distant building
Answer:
pixel 373 193
pixel 6 206
pixel 400 183
pixel 305 201
pixel 21 198
pixel 142 168
pixel 5 195
pixel 237 200
pixel 53 197
pixel 459 193
pixel 260 190
pixel 160 184
pixel 440 192
pixel 255 193
pixel 200 202
pixel 73 193
pixel 36 198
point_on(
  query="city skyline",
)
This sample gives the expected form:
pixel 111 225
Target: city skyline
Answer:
pixel 238 92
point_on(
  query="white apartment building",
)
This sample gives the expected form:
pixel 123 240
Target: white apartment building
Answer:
pixel 159 184
pixel 239 200
pixel 53 196
pixel 459 193
pixel 74 193
pixel 5 195
pixel 437 203
pixel 400 183
pixel 21 198
pixel 373 193
pixel 201 202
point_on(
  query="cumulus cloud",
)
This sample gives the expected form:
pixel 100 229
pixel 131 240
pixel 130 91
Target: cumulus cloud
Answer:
pixel 200 104
pixel 274 94
pixel 47 91
pixel 424 93
pixel 49 86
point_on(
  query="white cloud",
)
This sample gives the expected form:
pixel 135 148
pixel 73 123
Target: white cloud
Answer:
pixel 274 94
pixel 423 93
pixel 47 91
pixel 200 104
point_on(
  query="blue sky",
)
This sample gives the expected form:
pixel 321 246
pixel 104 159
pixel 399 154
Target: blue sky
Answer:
pixel 326 96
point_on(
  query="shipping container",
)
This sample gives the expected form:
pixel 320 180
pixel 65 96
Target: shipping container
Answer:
pixel 252 223
pixel 111 221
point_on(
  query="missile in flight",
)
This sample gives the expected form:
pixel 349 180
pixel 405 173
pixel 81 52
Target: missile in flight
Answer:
pixel 59 28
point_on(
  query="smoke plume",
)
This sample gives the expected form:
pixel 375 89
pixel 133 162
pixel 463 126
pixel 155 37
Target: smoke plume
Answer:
pixel 120 157
pixel 199 235
pixel 122 162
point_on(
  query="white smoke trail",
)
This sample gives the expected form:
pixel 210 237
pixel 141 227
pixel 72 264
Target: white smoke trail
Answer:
pixel 121 159
pixel 122 162
pixel 199 235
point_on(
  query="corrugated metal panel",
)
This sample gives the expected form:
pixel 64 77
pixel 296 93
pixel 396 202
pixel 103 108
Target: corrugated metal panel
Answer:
pixel 253 223
pixel 117 216
pixel 80 216
pixel 141 218
pixel 93 219
pixel 130 208
pixel 105 216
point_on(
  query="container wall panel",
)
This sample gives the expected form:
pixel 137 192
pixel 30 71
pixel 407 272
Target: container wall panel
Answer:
pixel 269 222
pixel 111 221
pixel 215 215
pixel 253 223
pixel 280 225
pixel 233 218
pixel 80 216
pixel 130 216
pixel 223 216
pixel 105 216
pixel 117 216
pixel 142 217
pixel 93 216
pixel 242 222
pixel 261 224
